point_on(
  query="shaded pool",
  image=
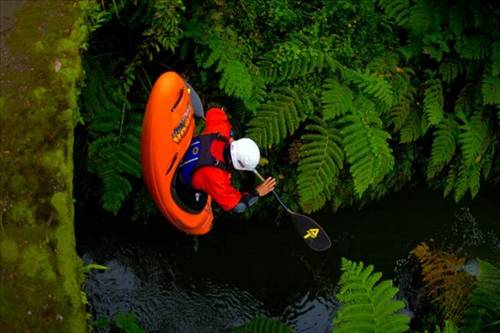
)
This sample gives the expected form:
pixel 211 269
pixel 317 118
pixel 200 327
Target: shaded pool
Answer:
pixel 242 270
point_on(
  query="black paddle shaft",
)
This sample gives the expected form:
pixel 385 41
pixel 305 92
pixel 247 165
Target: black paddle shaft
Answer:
pixel 312 233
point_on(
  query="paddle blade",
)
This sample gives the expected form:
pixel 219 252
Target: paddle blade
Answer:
pixel 312 233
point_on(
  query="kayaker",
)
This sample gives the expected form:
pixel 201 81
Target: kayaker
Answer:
pixel 212 157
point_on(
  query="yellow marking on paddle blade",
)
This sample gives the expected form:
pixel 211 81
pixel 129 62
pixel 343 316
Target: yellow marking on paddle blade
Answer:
pixel 311 233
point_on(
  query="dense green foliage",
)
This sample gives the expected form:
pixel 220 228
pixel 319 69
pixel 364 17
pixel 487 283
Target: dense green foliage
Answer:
pixel 367 305
pixel 375 94
pixel 466 292
pixel 484 300
pixel 449 327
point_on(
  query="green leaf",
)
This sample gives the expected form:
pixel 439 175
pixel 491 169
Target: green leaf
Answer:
pixel 495 59
pixel 398 10
pixel 236 80
pixel 278 118
pixel 366 147
pixel 450 70
pixel 127 323
pixel 374 86
pixel 336 99
pixel 434 101
pixel 422 17
pixel 321 160
pixel 367 305
pixel 474 47
pixel 443 146
pixel 484 300
pixel 490 90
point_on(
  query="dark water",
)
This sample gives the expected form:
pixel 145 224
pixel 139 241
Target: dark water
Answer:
pixel 243 270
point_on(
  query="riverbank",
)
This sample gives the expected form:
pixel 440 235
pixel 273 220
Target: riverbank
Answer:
pixel 40 272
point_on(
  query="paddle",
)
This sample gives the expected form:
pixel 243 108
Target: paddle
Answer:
pixel 312 233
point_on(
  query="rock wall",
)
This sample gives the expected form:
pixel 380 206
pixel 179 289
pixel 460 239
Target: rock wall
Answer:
pixel 40 271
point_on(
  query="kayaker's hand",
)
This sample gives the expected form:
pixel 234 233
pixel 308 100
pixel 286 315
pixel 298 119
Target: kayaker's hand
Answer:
pixel 266 186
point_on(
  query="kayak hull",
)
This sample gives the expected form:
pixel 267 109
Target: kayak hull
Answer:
pixel 167 131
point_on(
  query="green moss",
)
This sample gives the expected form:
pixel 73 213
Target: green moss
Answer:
pixel 40 47
pixel 39 93
pixel 21 213
pixel 8 249
pixel 17 183
pixel 65 238
pixel 56 162
pixel 41 274
pixel 36 262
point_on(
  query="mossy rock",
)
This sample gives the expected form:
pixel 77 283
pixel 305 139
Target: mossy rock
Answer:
pixel 8 249
pixel 41 273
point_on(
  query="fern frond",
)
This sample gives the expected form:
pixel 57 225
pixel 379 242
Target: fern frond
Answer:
pixel 473 47
pixel 367 305
pixel 400 112
pixel 465 100
pixel 475 140
pixel 239 77
pixel 450 70
pixel 297 59
pixel 216 44
pixel 114 147
pixel 95 14
pixel 143 13
pixel 366 146
pixel 421 19
pixel 490 90
pixel 398 10
pixel 475 137
pixel 447 283
pixel 236 79
pixel 164 31
pixel 484 301
pixel 321 159
pixel 385 64
pixel 412 128
pixel 336 67
pixel 115 191
pixel 278 118
pixel 495 59
pixel 434 101
pixel 443 146
pixel 468 178
pixel 374 86
pixel 263 325
pixel 451 178
pixel 336 99
pixel 487 161
pixel 449 327
pixel 457 18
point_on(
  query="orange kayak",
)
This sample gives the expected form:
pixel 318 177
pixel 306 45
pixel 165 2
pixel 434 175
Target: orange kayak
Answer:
pixel 167 131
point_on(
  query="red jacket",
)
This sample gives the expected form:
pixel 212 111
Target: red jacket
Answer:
pixel 212 180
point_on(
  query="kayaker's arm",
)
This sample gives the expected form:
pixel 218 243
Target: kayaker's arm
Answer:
pixel 247 200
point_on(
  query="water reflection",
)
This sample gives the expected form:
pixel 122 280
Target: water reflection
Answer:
pixel 165 300
pixel 245 270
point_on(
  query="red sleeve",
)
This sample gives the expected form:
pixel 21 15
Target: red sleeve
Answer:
pixel 216 122
pixel 217 183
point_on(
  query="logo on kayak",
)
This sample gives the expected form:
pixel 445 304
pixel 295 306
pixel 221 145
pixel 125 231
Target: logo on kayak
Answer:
pixel 180 130
pixel 311 233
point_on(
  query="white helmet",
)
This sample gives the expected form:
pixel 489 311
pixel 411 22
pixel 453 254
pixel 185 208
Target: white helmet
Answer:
pixel 245 154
